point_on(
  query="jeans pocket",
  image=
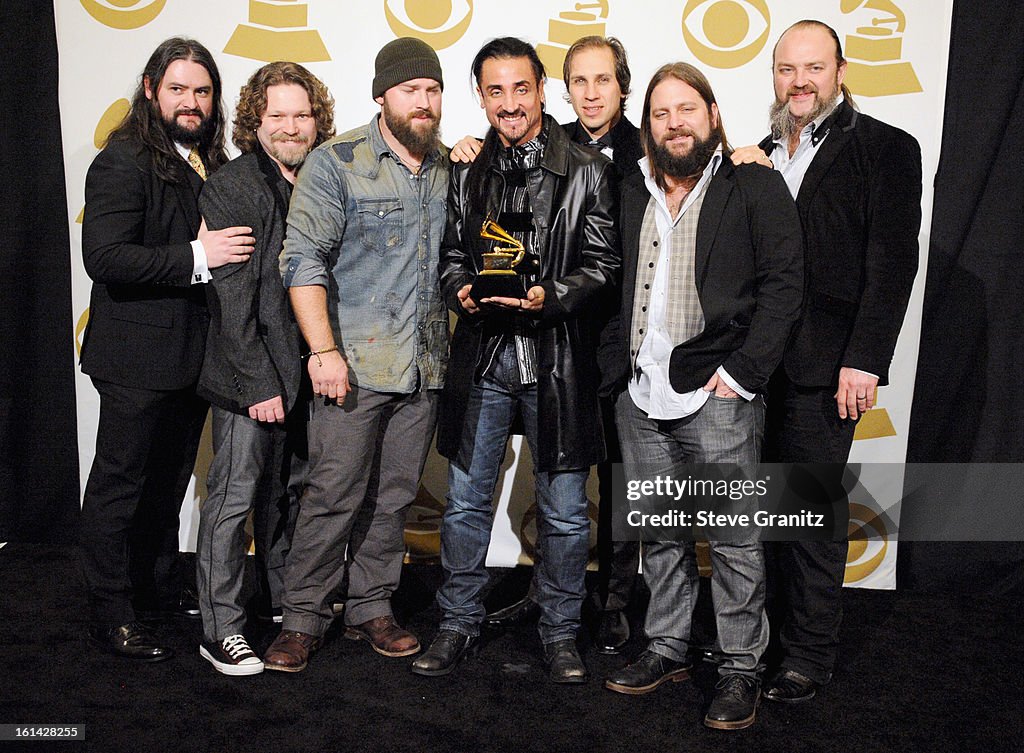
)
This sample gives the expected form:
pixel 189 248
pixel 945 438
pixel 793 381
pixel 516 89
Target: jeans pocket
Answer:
pixel 381 224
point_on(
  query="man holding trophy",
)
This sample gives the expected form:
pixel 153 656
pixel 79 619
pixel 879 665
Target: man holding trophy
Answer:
pixel 529 249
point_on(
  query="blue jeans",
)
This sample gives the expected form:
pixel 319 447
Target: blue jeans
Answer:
pixel 563 528
pixel 723 431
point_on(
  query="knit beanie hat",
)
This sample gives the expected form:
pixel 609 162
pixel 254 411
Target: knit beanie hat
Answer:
pixel 403 60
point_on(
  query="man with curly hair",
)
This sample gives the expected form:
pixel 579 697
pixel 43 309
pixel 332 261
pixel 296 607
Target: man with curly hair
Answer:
pixel 252 372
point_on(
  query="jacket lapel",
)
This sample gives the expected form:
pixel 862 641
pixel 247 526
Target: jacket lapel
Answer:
pixel 634 204
pixel 711 213
pixel 839 130
pixel 188 198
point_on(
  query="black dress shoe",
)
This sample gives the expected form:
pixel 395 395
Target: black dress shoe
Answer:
pixel 612 631
pixel 646 673
pixel 131 641
pixel 565 666
pixel 188 604
pixel 735 703
pixel 444 653
pixel 787 686
pixel 523 612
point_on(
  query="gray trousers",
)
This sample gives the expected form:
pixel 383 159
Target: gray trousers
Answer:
pixel 256 467
pixel 343 442
pixel 723 431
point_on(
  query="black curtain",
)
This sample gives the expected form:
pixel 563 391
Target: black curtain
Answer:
pixel 969 395
pixel 39 485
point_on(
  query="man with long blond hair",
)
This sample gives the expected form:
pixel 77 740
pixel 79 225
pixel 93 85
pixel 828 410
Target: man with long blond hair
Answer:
pixel 252 372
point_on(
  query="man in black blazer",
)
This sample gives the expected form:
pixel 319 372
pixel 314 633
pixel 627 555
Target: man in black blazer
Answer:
pixel 252 374
pixel 712 283
pixel 857 184
pixel 146 252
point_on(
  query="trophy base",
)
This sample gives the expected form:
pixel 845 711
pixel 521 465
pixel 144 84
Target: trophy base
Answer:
pixel 497 286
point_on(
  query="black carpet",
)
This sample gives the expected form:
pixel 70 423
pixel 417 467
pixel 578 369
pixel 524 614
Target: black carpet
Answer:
pixel 918 673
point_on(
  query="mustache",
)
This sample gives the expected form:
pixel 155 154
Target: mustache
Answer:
pixel 680 131
pixel 422 112
pixel 519 113
pixel 189 111
pixel 805 89
pixel 298 139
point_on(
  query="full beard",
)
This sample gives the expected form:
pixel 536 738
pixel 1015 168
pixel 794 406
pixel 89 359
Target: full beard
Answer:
pixel 201 134
pixel 418 140
pixel 785 124
pixel 683 166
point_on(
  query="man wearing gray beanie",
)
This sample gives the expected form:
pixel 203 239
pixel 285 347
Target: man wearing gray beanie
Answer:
pixel 360 264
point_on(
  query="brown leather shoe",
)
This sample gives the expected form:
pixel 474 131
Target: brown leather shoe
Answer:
pixel 290 651
pixel 385 635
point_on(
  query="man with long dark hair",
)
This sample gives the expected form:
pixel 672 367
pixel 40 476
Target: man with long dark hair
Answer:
pixel 252 373
pixel 712 283
pixel 147 253
pixel 529 354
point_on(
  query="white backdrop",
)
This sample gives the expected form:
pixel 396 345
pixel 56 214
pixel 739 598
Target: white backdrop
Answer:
pixel 897 51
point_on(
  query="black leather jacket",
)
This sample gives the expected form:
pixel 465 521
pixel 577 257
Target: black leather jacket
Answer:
pixel 574 198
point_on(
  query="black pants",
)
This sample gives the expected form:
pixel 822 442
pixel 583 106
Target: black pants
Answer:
pixel 146 444
pixel 617 561
pixel 805 578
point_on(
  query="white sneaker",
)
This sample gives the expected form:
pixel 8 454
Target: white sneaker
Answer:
pixel 232 656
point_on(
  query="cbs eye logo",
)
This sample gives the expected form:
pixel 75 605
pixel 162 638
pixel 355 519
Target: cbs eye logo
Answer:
pixel 726 33
pixel 439 23
pixel 869 542
pixel 124 14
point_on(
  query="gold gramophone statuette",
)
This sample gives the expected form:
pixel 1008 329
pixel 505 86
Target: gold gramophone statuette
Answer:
pixel 503 260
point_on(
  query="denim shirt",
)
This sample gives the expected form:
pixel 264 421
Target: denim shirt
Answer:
pixel 365 228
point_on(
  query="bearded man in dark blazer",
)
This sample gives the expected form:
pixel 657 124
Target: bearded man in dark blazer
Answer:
pixel 148 255
pixel 712 283
pixel 857 185
pixel 252 374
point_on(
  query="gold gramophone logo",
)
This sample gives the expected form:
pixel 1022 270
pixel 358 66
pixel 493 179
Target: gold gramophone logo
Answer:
pixel 586 19
pixel 726 33
pixel 277 30
pixel 124 14
pixel 875 423
pixel 873 52
pixel 80 325
pixel 869 542
pixel 439 23
pixel 109 120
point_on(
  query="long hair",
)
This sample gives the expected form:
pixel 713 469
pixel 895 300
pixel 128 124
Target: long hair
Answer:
pixel 622 74
pixel 691 76
pixel 144 122
pixel 503 48
pixel 810 23
pixel 252 102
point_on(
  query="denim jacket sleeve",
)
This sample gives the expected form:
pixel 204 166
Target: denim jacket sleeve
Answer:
pixel 316 221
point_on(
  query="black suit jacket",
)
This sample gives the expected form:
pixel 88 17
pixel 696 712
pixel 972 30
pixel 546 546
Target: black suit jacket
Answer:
pixel 625 138
pixel 749 276
pixel 147 323
pixel 860 206
pixel 253 345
